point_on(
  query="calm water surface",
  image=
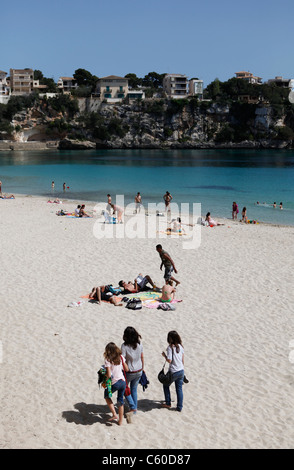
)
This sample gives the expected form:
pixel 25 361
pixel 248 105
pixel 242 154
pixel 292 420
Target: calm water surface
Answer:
pixel 214 178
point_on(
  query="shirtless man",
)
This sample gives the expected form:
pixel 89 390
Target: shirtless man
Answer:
pixel 138 202
pixel 168 264
pixel 138 285
pixel 103 293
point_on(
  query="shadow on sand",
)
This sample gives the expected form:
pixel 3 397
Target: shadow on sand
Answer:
pixel 88 414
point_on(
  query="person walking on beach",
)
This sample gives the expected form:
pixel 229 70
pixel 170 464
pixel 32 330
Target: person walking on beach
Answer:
pixel 175 357
pixel 114 363
pixel 138 203
pixel 119 211
pixel 167 199
pixel 108 207
pixel 235 211
pixel 168 264
pixel 132 350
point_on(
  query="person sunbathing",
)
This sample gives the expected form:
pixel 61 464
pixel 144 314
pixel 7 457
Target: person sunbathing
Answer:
pixel 168 292
pixel 82 212
pixel 3 196
pixel 139 284
pixel 211 222
pixel 103 293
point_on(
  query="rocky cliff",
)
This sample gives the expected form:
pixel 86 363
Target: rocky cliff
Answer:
pixel 158 124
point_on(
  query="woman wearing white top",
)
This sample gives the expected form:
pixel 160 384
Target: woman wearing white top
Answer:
pixel 175 357
pixel 132 350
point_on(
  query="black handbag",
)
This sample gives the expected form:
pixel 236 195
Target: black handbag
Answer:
pixel 134 304
pixel 166 378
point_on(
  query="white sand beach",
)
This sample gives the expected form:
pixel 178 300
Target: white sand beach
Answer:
pixel 236 322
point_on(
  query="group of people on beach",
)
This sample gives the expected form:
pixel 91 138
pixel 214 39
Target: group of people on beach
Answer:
pixel 111 294
pixel 125 367
pixel 235 212
pixel 115 210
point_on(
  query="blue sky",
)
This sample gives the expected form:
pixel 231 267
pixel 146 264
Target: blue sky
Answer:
pixel 199 39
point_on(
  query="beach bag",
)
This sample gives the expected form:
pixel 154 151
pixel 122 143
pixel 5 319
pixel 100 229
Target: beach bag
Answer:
pixel 165 378
pixel 127 390
pixel 114 290
pixel 134 304
pixel 166 307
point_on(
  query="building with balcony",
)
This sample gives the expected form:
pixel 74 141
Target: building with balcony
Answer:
pixel 67 84
pixel 112 89
pixel 175 85
pixel 196 88
pixel 4 88
pixel 249 77
pixel 134 95
pixel 281 82
pixel 21 81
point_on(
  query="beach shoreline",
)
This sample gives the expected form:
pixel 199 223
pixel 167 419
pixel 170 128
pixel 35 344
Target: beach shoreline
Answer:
pixel 101 205
pixel 235 319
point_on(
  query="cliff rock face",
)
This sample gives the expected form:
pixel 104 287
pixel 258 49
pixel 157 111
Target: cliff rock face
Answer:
pixel 149 124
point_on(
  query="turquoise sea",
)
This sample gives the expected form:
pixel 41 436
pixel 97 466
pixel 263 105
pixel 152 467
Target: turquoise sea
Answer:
pixel 214 178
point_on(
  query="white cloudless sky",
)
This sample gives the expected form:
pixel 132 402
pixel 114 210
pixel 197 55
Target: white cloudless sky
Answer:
pixel 196 38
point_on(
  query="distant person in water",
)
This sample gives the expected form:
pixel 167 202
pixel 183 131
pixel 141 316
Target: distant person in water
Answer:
pixel 274 204
pixel 235 211
pixel 52 185
pixel 281 205
pixel 64 186
pixel 0 187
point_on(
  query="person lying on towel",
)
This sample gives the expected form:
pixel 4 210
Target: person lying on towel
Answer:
pixel 103 293
pixel 139 284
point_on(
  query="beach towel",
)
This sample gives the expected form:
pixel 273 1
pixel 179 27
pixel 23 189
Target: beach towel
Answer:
pixel 87 296
pixel 144 295
pixel 156 303
pixel 172 233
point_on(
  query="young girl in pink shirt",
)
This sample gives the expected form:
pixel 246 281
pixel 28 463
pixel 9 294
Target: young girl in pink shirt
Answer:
pixel 114 363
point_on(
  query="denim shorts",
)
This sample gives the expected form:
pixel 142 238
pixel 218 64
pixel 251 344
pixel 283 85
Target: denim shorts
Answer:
pixel 118 387
pixel 168 272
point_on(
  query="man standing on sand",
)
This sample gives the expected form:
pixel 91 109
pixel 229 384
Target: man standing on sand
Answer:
pixel 168 264
pixel 108 207
pixel 138 202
